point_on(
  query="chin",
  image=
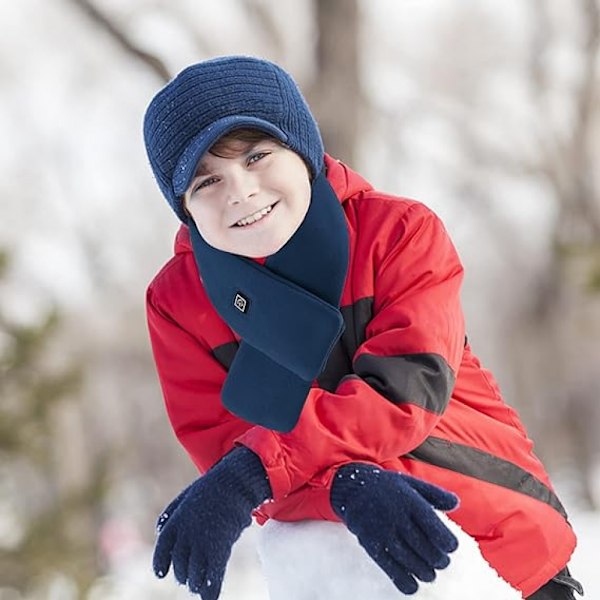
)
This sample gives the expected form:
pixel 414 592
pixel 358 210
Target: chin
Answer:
pixel 265 250
pixel 262 253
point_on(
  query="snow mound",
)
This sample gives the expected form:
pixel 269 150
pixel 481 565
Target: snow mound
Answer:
pixel 321 560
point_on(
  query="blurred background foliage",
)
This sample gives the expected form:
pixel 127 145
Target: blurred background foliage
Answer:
pixel 54 519
pixel 487 113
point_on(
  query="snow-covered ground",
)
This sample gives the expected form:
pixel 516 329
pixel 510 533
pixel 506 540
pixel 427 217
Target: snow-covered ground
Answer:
pixel 132 577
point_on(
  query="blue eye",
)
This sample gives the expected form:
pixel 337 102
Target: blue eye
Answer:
pixel 256 157
pixel 204 184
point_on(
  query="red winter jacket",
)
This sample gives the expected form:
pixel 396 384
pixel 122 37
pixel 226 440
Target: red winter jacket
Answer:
pixel 403 315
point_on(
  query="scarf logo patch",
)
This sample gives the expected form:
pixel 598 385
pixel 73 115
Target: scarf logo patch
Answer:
pixel 241 302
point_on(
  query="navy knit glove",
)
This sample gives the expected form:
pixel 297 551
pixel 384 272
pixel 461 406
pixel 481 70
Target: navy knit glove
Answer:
pixel 196 532
pixel 391 514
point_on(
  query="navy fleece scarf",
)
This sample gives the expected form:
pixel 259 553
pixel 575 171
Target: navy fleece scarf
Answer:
pixel 286 312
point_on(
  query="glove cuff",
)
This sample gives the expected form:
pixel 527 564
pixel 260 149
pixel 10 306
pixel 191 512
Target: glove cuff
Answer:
pixel 246 473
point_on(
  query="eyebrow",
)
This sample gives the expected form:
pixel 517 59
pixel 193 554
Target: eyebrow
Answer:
pixel 200 170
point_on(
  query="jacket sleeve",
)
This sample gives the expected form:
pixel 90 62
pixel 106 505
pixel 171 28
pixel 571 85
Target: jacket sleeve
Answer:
pixel 403 373
pixel 191 379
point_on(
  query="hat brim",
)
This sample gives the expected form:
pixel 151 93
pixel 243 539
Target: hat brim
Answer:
pixel 186 165
pixel 263 392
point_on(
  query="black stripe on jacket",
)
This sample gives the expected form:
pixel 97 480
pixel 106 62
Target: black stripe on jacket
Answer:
pixel 425 380
pixel 485 467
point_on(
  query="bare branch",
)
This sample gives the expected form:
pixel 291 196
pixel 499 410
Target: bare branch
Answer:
pixel 566 160
pixel 542 36
pixel 105 23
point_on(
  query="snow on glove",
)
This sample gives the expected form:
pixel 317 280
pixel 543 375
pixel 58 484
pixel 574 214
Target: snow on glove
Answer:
pixel 197 530
pixel 393 517
pixel 170 509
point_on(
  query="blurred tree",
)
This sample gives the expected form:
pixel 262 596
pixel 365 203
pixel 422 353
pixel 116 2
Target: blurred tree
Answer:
pixel 335 93
pixel 560 326
pixel 53 523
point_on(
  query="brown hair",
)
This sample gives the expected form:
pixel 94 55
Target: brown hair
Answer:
pixel 239 140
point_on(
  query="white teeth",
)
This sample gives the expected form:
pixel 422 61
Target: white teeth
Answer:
pixel 257 216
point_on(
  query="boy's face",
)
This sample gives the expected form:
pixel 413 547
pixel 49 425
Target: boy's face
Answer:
pixel 252 202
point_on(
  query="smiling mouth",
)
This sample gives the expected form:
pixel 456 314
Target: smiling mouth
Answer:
pixel 256 216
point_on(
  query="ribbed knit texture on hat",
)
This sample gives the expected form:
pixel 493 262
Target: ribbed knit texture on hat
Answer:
pixel 183 118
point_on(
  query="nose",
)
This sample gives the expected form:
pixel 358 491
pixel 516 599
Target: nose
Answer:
pixel 243 185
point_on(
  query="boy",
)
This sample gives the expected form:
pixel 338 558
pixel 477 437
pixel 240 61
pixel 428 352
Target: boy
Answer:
pixel 310 345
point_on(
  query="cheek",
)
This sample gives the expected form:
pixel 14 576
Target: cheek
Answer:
pixel 202 210
pixel 206 220
pixel 303 196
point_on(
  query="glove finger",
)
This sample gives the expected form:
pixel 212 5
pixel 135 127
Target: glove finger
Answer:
pixel 169 510
pixel 419 540
pixel 436 496
pixel 204 578
pixel 161 560
pixel 196 573
pixel 181 559
pixel 212 585
pixel 414 564
pixel 433 528
pixel 400 577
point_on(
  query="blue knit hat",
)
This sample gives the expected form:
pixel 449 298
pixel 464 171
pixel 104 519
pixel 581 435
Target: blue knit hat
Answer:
pixel 213 97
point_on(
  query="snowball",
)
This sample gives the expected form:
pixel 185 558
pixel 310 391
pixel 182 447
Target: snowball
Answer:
pixel 313 560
